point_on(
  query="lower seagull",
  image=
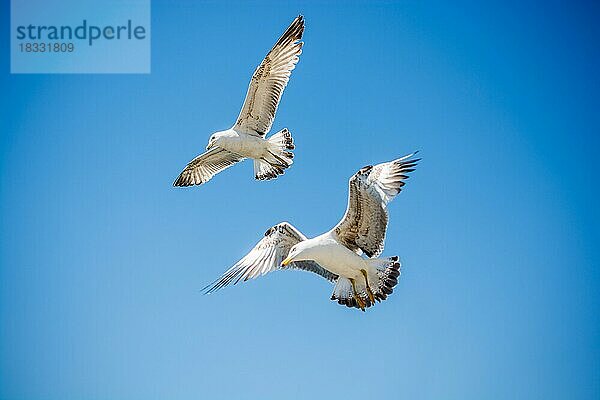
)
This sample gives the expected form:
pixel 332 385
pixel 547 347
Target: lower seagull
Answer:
pixel 337 255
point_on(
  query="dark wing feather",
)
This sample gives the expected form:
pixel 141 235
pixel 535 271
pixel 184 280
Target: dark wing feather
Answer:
pixel 363 227
pixel 267 256
pixel 202 168
pixel 269 81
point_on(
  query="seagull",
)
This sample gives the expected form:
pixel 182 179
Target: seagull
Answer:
pixel 247 137
pixel 348 254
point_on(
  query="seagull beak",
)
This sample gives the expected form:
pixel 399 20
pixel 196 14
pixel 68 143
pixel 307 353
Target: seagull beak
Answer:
pixel 285 262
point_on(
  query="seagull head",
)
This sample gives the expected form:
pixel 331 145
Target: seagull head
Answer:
pixel 212 142
pixel 298 252
pixel 217 137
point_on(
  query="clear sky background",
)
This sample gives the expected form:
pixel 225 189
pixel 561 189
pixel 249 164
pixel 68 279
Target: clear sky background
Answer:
pixel 101 259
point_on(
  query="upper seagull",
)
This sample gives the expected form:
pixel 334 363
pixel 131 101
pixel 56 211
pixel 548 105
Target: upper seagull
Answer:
pixel 337 254
pixel 247 138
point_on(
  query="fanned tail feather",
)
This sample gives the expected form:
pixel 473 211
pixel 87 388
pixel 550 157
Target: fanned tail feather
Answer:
pixel 382 276
pixel 278 158
pixel 388 272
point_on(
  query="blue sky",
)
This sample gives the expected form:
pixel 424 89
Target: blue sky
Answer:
pixel 101 258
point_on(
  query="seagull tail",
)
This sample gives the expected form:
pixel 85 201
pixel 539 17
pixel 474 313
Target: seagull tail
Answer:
pixel 382 275
pixel 278 158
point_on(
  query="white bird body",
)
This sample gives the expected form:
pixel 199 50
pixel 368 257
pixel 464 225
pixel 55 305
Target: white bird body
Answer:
pixel 338 255
pixel 247 137
pixel 248 146
pixel 326 251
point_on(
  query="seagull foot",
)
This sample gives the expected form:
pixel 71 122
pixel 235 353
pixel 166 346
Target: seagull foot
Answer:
pixel 359 301
pixel 369 292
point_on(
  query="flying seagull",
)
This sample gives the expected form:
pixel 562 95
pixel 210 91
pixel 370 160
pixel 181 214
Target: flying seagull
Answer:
pixel 337 255
pixel 247 138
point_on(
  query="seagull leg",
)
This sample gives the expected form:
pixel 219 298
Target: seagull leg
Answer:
pixel 369 292
pixel 360 301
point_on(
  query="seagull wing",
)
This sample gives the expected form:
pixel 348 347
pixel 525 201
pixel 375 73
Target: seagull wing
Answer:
pixel 202 168
pixel 364 225
pixel 269 80
pixel 267 256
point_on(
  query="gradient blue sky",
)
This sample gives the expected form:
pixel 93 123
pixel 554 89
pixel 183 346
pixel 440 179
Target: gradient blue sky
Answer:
pixel 101 259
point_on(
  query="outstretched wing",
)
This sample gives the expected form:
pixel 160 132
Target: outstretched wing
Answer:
pixel 267 256
pixel 371 189
pixel 202 168
pixel 269 80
